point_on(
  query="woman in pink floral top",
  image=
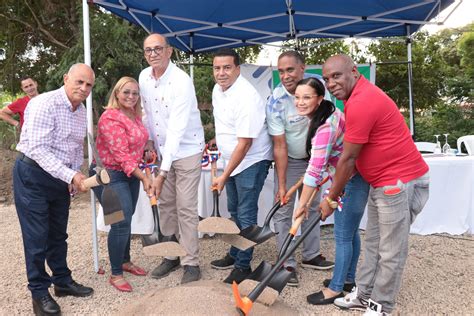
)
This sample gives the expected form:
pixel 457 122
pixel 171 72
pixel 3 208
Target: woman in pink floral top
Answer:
pixel 324 145
pixel 121 138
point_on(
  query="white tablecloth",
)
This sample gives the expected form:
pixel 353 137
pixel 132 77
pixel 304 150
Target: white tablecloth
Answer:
pixel 450 207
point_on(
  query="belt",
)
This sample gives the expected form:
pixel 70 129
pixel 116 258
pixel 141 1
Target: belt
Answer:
pixel 27 160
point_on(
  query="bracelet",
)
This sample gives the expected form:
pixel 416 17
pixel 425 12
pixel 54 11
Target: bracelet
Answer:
pixel 163 173
pixel 332 204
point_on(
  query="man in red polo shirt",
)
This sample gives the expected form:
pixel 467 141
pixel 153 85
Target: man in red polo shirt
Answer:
pixel 30 87
pixel 378 143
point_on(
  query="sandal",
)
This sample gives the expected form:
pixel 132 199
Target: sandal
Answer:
pixel 120 283
pixel 133 269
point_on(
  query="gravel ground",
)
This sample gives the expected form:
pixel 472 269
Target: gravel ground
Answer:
pixel 437 279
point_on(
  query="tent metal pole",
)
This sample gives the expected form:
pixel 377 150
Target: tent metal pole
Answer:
pixel 410 84
pixel 87 61
pixel 191 58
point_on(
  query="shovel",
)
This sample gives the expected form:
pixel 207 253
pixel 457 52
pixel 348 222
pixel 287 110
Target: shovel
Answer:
pixel 156 244
pixel 113 212
pixel 254 235
pixel 278 282
pixel 215 223
pixel 244 304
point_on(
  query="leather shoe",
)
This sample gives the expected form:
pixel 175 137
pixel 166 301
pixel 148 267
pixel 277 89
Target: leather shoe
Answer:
pixel 319 299
pixel 46 305
pixel 73 289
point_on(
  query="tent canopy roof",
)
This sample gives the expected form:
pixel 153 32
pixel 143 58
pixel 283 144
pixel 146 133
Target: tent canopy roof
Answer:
pixel 205 25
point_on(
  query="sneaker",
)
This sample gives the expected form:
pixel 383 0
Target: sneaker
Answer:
pixel 238 275
pixel 293 281
pixel 351 301
pixel 166 267
pixel 347 286
pixel 319 263
pixel 223 264
pixel 191 274
pixel 375 309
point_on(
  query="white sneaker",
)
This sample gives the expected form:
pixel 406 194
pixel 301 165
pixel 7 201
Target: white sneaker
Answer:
pixel 351 301
pixel 375 309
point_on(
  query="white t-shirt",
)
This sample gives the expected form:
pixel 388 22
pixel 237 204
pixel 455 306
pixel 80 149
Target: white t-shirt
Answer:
pixel 240 112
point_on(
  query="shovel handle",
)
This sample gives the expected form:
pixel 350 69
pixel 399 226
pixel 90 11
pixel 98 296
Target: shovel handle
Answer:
pixel 101 178
pixel 292 190
pixel 299 219
pixel 213 173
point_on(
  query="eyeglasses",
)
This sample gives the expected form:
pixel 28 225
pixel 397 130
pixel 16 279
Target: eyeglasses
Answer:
pixel 157 50
pixel 134 94
pixel 305 98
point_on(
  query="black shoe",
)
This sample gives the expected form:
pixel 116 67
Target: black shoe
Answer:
pixel 318 298
pixel 46 305
pixel 72 289
pixel 238 275
pixel 319 263
pixel 191 274
pixel 293 281
pixel 347 286
pixel 166 267
pixel 223 264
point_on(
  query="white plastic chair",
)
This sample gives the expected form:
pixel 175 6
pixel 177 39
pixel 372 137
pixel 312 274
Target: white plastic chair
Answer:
pixel 468 142
pixel 426 147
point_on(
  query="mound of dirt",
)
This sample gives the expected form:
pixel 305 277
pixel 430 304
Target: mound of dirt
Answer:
pixel 207 297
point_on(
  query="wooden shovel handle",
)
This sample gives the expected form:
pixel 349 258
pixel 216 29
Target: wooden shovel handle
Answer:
pixel 213 173
pixel 101 178
pixel 299 219
pixel 292 190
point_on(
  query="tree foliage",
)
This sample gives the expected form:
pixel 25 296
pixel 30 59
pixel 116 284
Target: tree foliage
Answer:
pixel 44 38
pixel 317 50
pixel 34 36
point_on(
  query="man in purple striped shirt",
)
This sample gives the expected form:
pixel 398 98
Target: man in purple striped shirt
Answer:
pixel 46 171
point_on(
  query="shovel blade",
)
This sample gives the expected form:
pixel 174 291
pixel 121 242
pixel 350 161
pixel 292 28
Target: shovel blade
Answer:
pixel 113 212
pixel 155 236
pixel 279 280
pixel 257 234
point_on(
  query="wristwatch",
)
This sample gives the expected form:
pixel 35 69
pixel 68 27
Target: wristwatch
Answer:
pixel 163 173
pixel 332 204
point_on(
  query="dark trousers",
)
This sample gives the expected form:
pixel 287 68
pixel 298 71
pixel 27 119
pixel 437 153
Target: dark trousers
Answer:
pixel 42 203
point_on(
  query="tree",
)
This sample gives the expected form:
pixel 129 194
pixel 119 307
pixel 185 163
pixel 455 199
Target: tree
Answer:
pixel 317 50
pixel 35 36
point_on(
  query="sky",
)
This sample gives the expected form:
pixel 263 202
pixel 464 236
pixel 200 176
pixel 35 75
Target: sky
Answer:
pixel 459 17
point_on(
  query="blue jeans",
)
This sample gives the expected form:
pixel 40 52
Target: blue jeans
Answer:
pixel 42 203
pixel 346 232
pixel 243 191
pixel 118 242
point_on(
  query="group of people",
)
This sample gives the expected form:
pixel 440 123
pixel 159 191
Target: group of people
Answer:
pixel 367 152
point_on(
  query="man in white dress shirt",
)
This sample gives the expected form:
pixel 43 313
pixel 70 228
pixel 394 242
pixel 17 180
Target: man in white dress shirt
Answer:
pixel 242 137
pixel 174 124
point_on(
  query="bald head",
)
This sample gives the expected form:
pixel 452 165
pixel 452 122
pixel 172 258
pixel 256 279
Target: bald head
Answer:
pixel 340 74
pixel 78 83
pixel 157 53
